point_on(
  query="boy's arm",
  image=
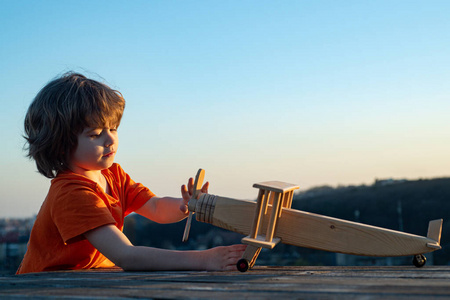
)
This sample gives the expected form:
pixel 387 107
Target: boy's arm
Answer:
pixel 163 209
pixel 112 243
pixel 169 209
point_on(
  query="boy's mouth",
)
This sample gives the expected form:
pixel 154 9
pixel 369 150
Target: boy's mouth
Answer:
pixel 109 154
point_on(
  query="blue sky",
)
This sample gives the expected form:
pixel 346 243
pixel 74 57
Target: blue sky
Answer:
pixel 308 92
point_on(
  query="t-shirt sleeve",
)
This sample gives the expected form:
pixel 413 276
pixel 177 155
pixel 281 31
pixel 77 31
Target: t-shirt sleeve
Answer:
pixel 134 194
pixel 78 210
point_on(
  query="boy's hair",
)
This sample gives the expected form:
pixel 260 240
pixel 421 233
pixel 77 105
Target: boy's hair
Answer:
pixel 60 112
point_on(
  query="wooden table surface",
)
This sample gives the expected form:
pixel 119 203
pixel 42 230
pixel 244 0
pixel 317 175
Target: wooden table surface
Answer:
pixel 406 282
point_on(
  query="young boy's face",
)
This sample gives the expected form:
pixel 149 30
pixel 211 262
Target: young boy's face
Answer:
pixel 96 149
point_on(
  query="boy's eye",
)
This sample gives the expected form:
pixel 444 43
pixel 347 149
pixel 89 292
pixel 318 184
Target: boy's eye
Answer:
pixel 95 133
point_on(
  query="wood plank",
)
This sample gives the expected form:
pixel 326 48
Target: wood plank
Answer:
pixel 312 282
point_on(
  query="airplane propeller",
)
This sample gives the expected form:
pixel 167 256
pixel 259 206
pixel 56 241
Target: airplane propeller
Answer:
pixel 193 201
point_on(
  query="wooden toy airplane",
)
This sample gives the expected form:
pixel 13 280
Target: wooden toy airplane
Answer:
pixel 271 220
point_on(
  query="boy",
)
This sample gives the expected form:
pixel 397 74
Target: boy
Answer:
pixel 71 131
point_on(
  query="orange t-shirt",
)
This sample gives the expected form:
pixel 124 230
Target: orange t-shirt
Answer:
pixel 73 206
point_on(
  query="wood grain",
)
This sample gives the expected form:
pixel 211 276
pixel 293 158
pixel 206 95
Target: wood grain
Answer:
pixel 311 282
pixel 310 230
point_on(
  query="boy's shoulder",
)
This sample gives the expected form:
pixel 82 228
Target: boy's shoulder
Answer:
pixel 69 182
pixel 70 178
pixel 115 168
pixel 115 171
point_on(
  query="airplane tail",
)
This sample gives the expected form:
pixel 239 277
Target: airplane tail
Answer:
pixel 434 233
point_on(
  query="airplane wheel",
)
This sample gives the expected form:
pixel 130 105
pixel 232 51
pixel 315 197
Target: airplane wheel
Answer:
pixel 419 260
pixel 243 265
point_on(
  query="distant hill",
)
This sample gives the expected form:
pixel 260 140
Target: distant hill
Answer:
pixel 400 205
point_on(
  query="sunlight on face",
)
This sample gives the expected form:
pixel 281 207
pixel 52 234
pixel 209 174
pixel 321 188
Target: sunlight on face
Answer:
pixel 96 149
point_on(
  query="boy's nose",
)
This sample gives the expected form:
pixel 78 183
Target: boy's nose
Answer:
pixel 110 140
pixel 109 143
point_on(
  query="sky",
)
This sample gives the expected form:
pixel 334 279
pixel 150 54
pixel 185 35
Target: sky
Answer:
pixel 307 92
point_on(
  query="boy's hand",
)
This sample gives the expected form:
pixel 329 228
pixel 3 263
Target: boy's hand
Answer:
pixel 186 193
pixel 222 258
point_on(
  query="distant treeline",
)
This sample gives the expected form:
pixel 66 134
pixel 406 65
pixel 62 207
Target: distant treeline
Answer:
pixel 399 205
